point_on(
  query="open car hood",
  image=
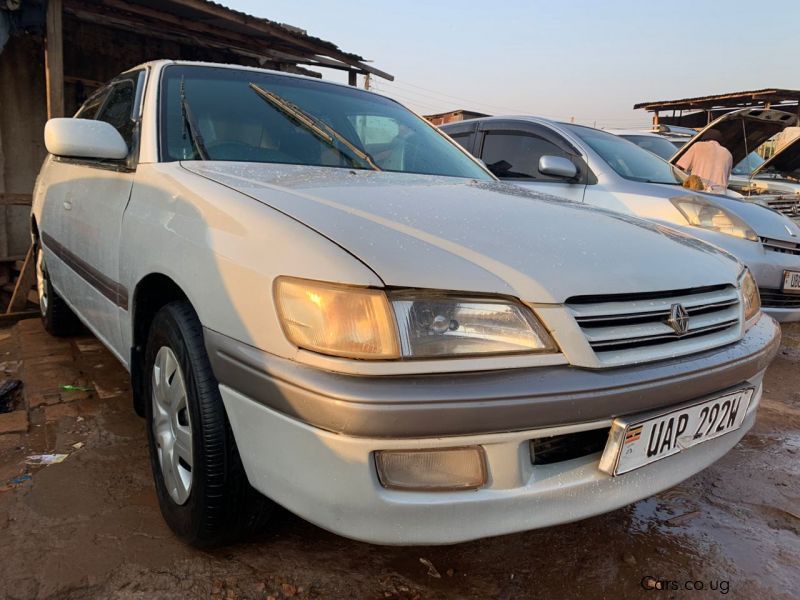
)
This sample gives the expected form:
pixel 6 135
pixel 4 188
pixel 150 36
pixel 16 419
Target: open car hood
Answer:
pixel 743 130
pixel 785 161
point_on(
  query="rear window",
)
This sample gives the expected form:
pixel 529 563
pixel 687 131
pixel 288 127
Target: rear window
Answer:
pixel 657 145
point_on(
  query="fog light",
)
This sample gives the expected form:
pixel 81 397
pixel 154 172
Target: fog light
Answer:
pixel 432 469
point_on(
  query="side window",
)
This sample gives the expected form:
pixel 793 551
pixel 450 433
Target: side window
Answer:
pixel 463 139
pixel 89 108
pixel 118 109
pixel 516 155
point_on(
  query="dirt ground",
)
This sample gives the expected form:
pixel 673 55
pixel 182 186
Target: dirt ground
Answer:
pixel 89 527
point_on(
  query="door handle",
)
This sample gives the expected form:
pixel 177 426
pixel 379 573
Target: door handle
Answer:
pixel 67 205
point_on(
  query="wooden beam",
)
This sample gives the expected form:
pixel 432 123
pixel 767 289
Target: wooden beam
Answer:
pixel 54 59
pixel 90 83
pixel 7 199
pixel 25 281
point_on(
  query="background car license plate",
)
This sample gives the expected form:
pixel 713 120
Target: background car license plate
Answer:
pixel 791 281
pixel 636 442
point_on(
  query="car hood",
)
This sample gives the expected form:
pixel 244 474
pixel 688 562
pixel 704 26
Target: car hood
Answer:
pixel 462 235
pixel 743 130
pixel 785 161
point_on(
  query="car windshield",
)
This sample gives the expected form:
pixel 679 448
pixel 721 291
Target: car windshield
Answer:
pixel 214 113
pixel 627 159
pixel 653 143
pixel 749 164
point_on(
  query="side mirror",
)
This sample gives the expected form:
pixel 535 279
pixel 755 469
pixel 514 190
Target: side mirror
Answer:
pixel 557 166
pixel 84 138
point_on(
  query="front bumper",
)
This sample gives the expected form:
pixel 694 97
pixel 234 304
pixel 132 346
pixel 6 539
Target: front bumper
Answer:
pixel 326 474
pixel 482 402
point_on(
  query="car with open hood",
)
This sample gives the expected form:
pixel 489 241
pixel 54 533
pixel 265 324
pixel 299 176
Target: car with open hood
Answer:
pixel 325 303
pixel 600 169
pixel 774 182
pixel 743 132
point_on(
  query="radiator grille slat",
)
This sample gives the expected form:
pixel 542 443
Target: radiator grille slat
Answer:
pixel 630 328
pixel 780 246
pixel 788 205
pixel 771 298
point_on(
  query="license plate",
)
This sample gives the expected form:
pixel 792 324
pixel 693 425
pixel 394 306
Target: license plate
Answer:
pixel 640 440
pixel 791 281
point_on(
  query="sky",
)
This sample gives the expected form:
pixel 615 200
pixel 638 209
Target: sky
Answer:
pixel 586 60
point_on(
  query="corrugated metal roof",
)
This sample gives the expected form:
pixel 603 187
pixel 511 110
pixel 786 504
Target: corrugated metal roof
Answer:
pixel 730 99
pixel 297 32
pixel 217 23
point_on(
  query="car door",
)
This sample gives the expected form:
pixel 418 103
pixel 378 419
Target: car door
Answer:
pixel 512 152
pixel 93 196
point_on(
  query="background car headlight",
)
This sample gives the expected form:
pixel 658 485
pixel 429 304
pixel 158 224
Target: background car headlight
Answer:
pixel 448 326
pixel 365 323
pixel 750 295
pixel 701 213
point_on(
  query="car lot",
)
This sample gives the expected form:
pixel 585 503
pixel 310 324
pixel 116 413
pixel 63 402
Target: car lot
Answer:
pixel 90 525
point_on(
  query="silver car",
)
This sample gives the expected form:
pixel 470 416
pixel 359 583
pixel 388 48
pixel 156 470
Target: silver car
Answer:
pixel 601 169
pixel 325 303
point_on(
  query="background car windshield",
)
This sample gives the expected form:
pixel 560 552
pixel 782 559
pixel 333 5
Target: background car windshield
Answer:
pixel 749 164
pixel 627 159
pixel 236 124
pixel 656 144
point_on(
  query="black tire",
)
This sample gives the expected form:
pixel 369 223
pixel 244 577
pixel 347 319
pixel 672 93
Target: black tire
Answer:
pixel 57 317
pixel 221 505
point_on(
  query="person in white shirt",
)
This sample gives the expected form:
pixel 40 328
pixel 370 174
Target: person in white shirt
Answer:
pixel 710 161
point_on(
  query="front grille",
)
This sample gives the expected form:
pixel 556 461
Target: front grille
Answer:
pixel 631 328
pixel 781 246
pixel 788 205
pixel 558 448
pixel 771 298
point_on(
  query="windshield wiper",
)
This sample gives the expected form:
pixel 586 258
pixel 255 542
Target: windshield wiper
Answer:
pixel 317 126
pixel 190 126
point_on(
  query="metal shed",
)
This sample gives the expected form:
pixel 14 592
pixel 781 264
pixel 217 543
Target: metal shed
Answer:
pixel 701 110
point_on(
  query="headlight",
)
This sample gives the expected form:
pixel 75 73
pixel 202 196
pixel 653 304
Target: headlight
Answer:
pixel 336 319
pixel 447 326
pixel 365 323
pixel 704 214
pixel 750 295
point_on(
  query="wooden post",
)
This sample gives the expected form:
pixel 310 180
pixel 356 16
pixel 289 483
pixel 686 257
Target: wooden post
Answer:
pixel 54 59
pixel 352 78
pixel 25 281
